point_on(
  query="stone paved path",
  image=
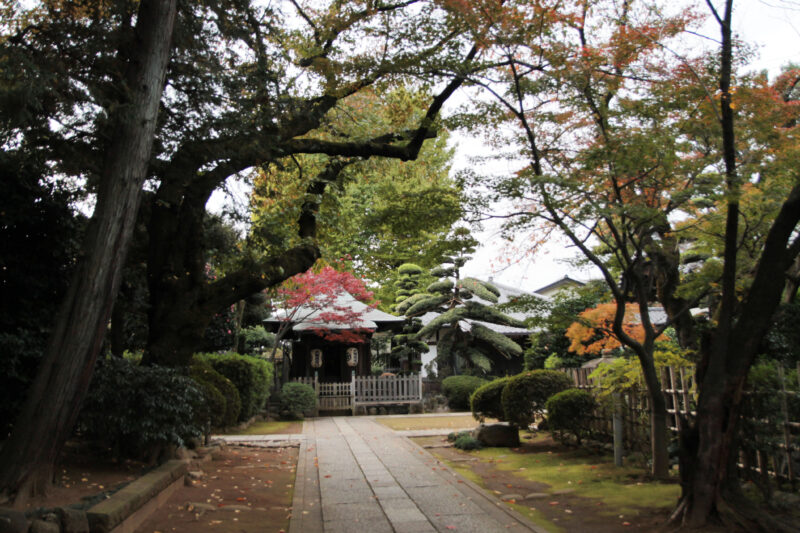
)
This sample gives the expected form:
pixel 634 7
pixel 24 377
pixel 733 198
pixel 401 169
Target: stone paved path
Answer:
pixel 355 475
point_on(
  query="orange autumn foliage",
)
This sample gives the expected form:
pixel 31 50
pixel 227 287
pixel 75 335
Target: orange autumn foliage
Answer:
pixel 593 333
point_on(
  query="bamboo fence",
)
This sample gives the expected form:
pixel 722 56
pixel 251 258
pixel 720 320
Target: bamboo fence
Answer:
pixel 770 443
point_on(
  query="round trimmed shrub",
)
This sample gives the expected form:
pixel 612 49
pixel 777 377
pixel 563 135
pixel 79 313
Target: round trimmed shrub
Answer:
pixel 251 376
pixel 458 390
pixel 211 411
pixel 205 374
pixel 570 411
pixel 486 401
pixel 525 395
pixel 296 398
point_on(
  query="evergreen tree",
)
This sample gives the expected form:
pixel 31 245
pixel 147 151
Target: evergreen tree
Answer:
pixel 459 327
pixel 405 346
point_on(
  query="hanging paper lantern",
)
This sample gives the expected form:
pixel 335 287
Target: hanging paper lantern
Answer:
pixel 352 356
pixel 316 358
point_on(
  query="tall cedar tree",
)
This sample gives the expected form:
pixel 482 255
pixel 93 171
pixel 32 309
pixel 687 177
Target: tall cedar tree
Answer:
pixel 51 408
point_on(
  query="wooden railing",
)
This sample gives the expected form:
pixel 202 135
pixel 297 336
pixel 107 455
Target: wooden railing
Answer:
pixel 390 389
pixel 366 390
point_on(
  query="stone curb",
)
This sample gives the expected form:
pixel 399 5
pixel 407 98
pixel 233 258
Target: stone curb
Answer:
pixel 131 505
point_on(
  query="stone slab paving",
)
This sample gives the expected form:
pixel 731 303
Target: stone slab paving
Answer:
pixel 355 475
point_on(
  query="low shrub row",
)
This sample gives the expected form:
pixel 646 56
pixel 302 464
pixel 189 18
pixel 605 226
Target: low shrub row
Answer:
pixel 140 412
pixel 143 411
pixel 458 390
pixel 522 398
pixel 251 376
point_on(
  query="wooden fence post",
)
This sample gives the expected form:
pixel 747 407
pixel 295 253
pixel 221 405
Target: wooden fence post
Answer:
pixel 619 436
pixel 787 434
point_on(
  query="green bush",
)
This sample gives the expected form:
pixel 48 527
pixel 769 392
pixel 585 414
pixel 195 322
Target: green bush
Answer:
pixel 251 376
pixel 525 394
pixel 486 401
pixel 467 442
pixel 139 412
pixel 296 398
pixel 230 404
pixel 458 389
pixel 256 339
pixel 570 411
pixel 211 411
pixel 553 362
pixel 452 436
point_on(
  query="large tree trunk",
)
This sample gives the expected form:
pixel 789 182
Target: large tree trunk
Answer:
pixel 709 456
pixel 28 457
pixel 182 300
pixel 179 318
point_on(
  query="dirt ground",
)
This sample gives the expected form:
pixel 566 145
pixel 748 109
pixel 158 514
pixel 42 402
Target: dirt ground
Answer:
pixel 85 477
pixel 242 490
pixel 567 512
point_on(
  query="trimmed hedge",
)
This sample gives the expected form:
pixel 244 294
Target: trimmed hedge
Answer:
pixel 525 395
pixel 251 376
pixel 230 404
pixel 570 411
pixel 486 401
pixel 140 412
pixel 296 398
pixel 458 390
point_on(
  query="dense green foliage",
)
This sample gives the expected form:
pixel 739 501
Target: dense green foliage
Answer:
pixel 39 237
pixel 211 413
pixel 570 411
pixel 251 376
pixel 625 373
pixel 782 342
pixel 255 339
pixel 486 401
pixel 551 318
pixel 139 411
pixel 226 403
pixel 525 395
pixel 296 399
pixel 459 389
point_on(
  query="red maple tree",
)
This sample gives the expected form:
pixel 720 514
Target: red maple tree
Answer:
pixel 322 298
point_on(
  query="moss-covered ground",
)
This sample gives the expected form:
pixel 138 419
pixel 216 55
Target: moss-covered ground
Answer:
pixel 566 489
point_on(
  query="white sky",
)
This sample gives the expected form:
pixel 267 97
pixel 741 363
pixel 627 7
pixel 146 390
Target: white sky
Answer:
pixel 774 25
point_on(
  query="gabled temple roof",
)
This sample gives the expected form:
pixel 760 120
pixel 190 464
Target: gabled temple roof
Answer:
pixel 307 318
pixel 564 282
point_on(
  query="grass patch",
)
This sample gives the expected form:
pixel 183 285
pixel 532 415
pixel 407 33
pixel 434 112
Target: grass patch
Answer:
pixel 533 515
pixel 625 489
pixel 537 517
pixel 429 422
pixel 268 428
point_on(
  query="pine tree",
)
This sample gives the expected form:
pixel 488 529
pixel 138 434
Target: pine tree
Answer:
pixel 459 326
pixel 405 346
